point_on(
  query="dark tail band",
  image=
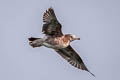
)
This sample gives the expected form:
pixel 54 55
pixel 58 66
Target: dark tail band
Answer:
pixel 32 38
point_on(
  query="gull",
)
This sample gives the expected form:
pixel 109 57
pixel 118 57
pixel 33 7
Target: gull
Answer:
pixel 55 39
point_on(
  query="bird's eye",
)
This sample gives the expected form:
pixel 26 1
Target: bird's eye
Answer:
pixel 71 37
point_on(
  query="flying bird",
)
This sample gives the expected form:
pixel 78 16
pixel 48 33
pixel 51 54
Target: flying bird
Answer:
pixel 55 39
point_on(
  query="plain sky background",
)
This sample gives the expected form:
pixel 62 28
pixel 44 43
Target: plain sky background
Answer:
pixel 96 22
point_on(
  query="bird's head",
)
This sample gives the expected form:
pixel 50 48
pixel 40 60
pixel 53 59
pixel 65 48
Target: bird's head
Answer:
pixel 72 37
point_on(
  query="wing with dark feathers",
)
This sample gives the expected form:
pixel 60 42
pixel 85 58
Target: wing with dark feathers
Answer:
pixel 73 58
pixel 51 25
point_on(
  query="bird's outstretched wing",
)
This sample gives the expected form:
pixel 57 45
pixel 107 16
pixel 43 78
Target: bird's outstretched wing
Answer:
pixel 73 58
pixel 51 25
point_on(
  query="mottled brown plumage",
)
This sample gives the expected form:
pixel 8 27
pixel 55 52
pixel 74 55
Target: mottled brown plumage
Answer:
pixel 51 25
pixel 55 39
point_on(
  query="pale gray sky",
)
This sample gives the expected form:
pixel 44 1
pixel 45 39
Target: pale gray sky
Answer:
pixel 96 22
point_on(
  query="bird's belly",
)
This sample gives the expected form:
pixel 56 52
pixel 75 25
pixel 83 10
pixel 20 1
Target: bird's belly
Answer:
pixel 48 45
pixel 54 46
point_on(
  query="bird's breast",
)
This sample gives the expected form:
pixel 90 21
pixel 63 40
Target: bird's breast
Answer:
pixel 56 43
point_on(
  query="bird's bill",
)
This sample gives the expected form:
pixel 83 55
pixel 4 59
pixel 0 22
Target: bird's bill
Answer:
pixel 77 39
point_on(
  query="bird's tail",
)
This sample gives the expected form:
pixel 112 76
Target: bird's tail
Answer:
pixel 35 42
pixel 32 38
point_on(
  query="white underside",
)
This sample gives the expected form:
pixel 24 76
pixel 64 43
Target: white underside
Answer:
pixel 48 45
pixel 53 46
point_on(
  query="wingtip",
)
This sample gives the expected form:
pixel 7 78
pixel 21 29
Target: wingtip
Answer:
pixel 51 7
pixel 91 73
